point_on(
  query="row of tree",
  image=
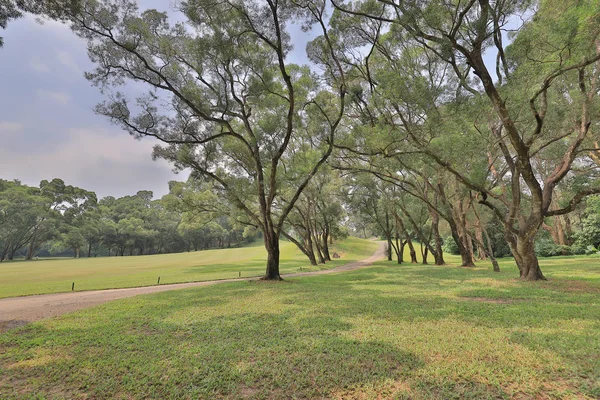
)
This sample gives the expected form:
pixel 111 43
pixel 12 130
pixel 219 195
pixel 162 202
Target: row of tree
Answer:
pixel 55 218
pixel 58 219
pixel 403 91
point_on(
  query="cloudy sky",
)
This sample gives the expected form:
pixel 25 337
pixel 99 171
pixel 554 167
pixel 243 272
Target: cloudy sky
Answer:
pixel 47 125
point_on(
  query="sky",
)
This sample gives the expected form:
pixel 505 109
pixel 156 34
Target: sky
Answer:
pixel 48 128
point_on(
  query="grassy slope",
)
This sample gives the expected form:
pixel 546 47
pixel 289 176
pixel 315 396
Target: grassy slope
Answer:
pixel 51 276
pixel 387 331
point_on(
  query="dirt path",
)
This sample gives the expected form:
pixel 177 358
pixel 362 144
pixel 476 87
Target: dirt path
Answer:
pixel 17 311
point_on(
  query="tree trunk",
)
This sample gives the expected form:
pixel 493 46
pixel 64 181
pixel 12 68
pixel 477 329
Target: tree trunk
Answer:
pixel 89 249
pixel 481 252
pixel 425 241
pixel 388 236
pixel 465 256
pixel 402 244
pixel 413 252
pixel 568 232
pixel 316 241
pixel 438 257
pixel 309 249
pixel 522 248
pixel 460 233
pixel 311 257
pixel 31 248
pixel 306 248
pixel 397 248
pixel 11 253
pixel 524 253
pixel 491 253
pixel 403 231
pixel 4 251
pixel 424 253
pixel 438 254
pixel 326 244
pixel 481 243
pixel 313 237
pixel 272 246
pixel 560 228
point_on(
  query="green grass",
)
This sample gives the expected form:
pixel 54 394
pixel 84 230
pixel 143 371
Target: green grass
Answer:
pixel 56 275
pixel 386 331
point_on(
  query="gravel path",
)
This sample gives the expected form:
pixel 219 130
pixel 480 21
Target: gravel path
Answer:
pixel 17 311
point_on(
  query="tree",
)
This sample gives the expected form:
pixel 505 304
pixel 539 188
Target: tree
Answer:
pixel 57 202
pixel 552 76
pixel 8 11
pixel 19 212
pixel 53 9
pixel 316 217
pixel 238 112
pixel 74 240
pixel 589 232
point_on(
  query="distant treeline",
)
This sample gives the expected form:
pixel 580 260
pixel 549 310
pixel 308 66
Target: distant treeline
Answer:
pixel 56 219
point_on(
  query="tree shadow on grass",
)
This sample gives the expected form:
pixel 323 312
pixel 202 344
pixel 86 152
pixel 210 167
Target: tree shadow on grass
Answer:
pixel 142 354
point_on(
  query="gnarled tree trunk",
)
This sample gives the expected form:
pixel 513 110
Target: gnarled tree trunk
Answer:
pixel 522 247
pixel 527 260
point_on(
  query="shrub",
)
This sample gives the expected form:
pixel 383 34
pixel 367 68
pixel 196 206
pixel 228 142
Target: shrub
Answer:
pixel 450 245
pixel 547 248
pixel 577 250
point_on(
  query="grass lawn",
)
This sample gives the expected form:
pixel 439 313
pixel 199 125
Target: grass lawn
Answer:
pixel 21 278
pixel 386 331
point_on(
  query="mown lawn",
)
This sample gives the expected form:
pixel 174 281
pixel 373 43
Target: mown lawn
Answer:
pixel 386 331
pixel 21 278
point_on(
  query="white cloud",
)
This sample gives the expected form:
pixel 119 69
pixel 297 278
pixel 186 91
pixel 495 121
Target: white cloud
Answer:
pixel 67 60
pixel 105 162
pixel 57 29
pixel 37 65
pixel 56 97
pixel 8 128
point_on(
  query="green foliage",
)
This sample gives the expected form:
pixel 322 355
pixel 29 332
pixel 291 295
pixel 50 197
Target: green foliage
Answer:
pixel 589 233
pixel 547 248
pixel 450 245
pixel 58 219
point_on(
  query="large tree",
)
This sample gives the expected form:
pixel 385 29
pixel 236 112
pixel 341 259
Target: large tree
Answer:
pixel 533 118
pixel 223 97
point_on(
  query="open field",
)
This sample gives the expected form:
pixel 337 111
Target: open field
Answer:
pixel 52 276
pixel 386 331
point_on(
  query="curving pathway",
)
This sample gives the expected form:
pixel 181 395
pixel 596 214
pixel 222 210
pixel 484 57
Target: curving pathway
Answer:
pixel 17 311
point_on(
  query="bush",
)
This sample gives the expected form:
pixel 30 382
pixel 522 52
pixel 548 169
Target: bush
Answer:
pixel 578 250
pixel 590 250
pixel 450 245
pixel 547 248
